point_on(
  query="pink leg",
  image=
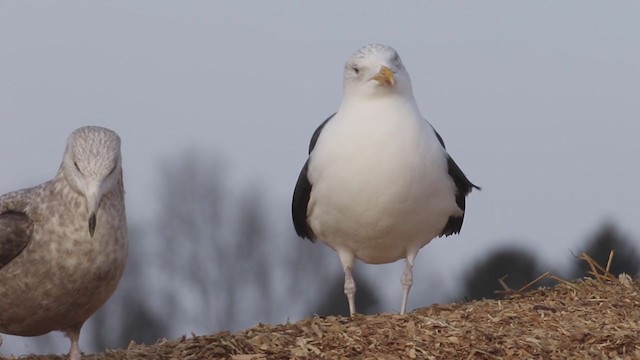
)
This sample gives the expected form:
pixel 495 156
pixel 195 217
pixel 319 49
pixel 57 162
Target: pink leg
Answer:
pixel 347 259
pixel 350 289
pixel 74 336
pixel 406 280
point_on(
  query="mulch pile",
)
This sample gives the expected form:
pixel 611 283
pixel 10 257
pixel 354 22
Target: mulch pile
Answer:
pixel 596 318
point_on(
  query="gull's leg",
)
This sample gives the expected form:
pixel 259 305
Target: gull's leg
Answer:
pixel 350 289
pixel 347 259
pixel 74 336
pixel 407 280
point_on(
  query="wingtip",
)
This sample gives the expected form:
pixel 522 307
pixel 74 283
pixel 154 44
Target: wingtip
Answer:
pixel 306 233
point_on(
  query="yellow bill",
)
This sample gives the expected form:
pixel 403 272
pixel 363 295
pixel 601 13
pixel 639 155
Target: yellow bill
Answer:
pixel 385 77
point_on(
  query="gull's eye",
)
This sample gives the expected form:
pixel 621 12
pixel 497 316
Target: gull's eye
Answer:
pixel 113 169
pixel 76 165
pixel 396 59
pixel 355 69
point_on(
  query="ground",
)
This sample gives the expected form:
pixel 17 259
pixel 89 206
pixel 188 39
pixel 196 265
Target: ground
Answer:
pixel 596 318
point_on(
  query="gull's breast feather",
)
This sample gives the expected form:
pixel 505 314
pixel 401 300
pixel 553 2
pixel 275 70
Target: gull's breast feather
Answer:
pixel 380 181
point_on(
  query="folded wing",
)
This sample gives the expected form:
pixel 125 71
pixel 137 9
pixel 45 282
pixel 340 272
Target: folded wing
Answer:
pixel 16 230
pixel 302 192
pixel 463 188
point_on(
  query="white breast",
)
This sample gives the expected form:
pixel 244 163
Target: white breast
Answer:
pixel 380 185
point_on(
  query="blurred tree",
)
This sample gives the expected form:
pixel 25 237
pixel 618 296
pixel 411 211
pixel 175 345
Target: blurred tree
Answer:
pixel 519 266
pixel 334 302
pixel 128 315
pixel 607 238
pixel 205 265
pixel 250 256
pixel 221 266
pixel 305 271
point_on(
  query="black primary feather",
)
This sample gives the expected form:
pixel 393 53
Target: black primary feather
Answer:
pixel 302 193
pixel 463 188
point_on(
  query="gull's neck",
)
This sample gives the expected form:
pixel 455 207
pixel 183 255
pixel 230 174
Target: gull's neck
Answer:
pixel 357 101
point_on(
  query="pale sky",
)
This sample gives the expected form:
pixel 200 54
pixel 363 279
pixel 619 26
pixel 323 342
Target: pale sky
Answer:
pixel 538 102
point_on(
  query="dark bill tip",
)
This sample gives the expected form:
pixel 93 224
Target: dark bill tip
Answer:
pixel 92 224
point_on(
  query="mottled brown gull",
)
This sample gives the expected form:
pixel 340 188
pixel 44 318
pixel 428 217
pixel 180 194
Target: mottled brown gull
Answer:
pixel 63 244
pixel 378 184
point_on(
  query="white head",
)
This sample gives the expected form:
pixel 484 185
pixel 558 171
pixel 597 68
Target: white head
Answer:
pixel 92 165
pixel 376 70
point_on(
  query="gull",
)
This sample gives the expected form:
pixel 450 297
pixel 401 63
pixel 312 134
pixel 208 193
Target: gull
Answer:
pixel 63 244
pixel 378 184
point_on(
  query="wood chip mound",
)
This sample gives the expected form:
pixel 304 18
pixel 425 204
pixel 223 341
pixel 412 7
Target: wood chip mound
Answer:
pixel 588 319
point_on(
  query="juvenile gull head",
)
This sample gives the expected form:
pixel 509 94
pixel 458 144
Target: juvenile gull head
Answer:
pixel 92 166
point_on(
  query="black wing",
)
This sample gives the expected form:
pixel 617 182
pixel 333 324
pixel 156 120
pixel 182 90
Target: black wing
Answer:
pixel 302 193
pixel 463 188
pixel 16 229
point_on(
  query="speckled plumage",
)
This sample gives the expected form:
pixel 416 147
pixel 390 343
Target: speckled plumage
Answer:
pixel 63 274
